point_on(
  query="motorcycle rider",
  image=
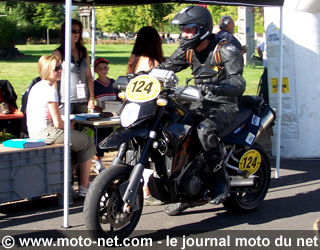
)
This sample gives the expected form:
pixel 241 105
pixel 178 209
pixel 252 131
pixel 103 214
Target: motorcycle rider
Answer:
pixel 198 47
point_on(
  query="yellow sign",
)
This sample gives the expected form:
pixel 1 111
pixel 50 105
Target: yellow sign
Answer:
pixel 250 161
pixel 143 88
pixel 285 85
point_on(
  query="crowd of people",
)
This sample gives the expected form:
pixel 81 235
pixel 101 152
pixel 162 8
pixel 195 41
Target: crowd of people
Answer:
pixel 46 101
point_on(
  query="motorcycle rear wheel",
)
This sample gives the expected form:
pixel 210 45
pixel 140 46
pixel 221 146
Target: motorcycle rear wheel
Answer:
pixel 102 206
pixel 247 199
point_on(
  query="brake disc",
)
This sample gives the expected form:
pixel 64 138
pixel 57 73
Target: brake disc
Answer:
pixel 102 212
pixel 115 216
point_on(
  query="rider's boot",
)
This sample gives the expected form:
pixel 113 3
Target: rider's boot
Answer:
pixel 222 186
pixel 214 158
pixel 178 208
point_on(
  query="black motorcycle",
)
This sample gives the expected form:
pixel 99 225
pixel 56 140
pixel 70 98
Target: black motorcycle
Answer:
pixel 158 131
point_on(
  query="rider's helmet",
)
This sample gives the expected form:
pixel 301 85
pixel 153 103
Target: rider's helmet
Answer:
pixel 196 16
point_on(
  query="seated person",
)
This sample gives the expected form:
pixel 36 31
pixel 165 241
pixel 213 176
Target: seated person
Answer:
pixel 44 119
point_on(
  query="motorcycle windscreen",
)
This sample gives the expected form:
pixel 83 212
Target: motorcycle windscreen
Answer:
pixel 134 113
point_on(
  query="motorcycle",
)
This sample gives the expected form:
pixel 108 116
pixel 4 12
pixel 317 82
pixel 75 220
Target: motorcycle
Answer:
pixel 158 131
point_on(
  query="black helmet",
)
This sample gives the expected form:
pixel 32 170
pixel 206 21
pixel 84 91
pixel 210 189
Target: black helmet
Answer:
pixel 198 16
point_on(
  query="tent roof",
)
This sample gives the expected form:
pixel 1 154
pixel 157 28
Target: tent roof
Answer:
pixel 136 2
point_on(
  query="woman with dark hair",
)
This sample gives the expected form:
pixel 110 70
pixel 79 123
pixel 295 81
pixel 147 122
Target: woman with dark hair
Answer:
pixel 81 80
pixel 146 54
pixel 147 51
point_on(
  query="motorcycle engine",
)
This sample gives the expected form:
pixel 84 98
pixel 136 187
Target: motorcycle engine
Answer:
pixel 193 185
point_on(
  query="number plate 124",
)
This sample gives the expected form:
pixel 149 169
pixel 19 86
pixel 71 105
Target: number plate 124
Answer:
pixel 143 88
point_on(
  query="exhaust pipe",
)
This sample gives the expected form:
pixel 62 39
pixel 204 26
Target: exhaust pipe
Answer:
pixel 266 121
pixel 239 181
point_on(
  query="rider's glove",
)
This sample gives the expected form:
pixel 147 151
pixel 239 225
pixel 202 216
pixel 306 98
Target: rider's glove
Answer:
pixel 214 89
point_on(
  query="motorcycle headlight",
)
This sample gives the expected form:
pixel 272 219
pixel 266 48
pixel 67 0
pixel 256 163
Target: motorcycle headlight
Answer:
pixel 129 114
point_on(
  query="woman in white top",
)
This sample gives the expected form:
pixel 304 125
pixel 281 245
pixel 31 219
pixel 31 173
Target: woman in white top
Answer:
pixel 44 119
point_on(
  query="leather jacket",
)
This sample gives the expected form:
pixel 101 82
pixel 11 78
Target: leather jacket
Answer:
pixel 229 77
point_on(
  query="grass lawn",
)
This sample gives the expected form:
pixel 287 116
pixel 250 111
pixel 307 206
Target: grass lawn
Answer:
pixel 22 71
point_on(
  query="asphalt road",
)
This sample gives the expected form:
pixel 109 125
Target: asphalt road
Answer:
pixel 292 203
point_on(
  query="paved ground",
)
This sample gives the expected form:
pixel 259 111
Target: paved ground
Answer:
pixel 292 203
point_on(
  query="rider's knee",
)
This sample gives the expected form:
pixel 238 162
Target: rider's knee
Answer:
pixel 207 135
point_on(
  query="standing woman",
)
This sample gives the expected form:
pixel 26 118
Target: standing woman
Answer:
pixel 146 54
pixel 81 80
pixel 147 51
pixel 44 119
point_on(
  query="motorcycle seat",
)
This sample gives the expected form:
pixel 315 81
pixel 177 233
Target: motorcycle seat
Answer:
pixel 254 102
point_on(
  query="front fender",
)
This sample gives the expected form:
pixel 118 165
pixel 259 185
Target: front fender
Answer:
pixel 122 135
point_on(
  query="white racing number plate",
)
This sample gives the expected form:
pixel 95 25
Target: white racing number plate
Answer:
pixel 143 88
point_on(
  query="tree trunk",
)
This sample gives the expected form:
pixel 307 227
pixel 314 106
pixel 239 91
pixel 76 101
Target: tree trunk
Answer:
pixel 48 36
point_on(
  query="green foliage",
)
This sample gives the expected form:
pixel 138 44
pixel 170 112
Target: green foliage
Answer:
pixel 49 16
pixel 28 21
pixel 32 19
pixel 108 19
pixel 20 12
pixel 8 31
pixel 259 20
pixel 218 11
pixel 132 18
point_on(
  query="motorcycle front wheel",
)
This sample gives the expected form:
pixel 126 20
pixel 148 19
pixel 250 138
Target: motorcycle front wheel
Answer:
pixel 102 208
pixel 247 199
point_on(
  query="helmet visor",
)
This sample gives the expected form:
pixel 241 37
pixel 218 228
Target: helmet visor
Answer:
pixel 189 30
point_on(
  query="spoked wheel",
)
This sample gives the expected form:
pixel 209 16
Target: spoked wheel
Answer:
pixel 248 198
pixel 103 212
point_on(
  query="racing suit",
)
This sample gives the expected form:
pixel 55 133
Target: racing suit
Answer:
pixel 220 109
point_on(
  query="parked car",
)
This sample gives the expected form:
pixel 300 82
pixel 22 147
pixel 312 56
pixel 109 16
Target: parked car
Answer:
pixel 115 35
pixel 130 35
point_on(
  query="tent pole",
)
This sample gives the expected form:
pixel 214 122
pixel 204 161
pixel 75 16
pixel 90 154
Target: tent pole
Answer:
pixel 93 37
pixel 67 59
pixel 279 113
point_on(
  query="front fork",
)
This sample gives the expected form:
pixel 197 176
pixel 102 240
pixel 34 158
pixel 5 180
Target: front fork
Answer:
pixel 130 188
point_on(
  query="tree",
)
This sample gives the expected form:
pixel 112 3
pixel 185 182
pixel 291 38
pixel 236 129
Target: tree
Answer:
pixel 259 20
pixel 49 16
pixel 7 31
pixel 111 19
pixel 12 14
pixel 131 18
pixel 20 12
